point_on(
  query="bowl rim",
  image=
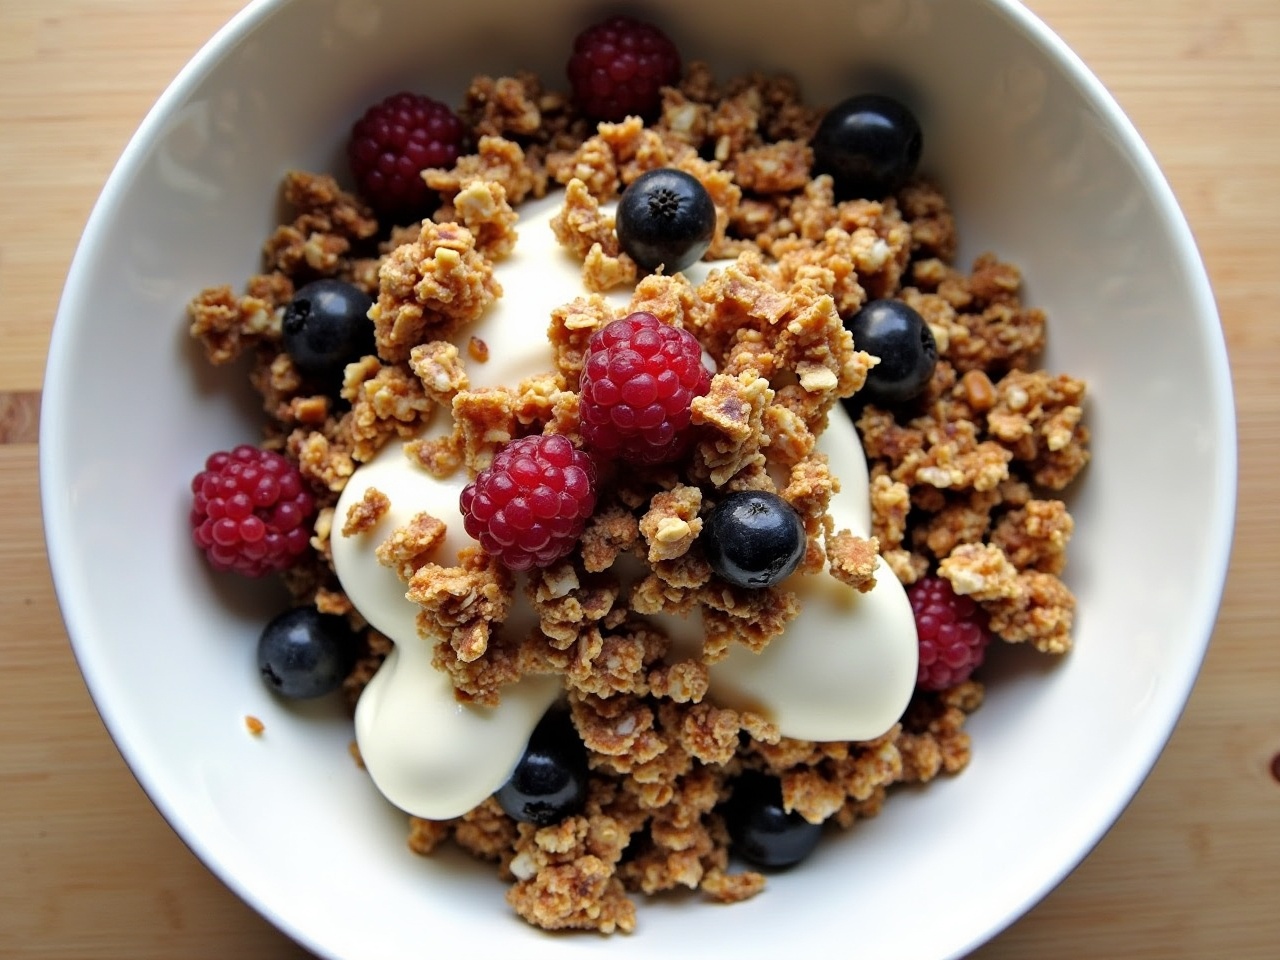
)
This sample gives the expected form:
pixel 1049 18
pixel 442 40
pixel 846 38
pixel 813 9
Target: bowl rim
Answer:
pixel 1172 695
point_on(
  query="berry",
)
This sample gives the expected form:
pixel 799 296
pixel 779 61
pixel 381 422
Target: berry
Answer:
pixel 250 511
pixel 753 539
pixel 870 144
pixel 394 142
pixel 326 326
pixel 762 831
pixel 550 781
pixel 639 378
pixel 952 630
pixel 530 505
pixel 619 67
pixel 892 331
pixel 665 219
pixel 304 653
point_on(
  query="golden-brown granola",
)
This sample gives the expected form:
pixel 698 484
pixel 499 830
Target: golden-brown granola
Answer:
pixel 958 478
pixel 487 420
pixel 581 224
pixel 386 400
pixel 460 604
pixel 1034 537
pixel 226 324
pixel 732 417
pixel 496 160
pixel 611 531
pixel 776 167
pixel 672 524
pixel 438 365
pixel 981 571
pixel 1039 612
pixel 809 489
pixel 1038 416
pixel 365 513
pixel 409 546
pixel 430 289
pixel 852 559
pixel 328 222
pixel 481 206
pixel 587 232
pixel 439 456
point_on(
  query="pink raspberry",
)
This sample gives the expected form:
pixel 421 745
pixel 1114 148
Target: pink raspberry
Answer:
pixel 619 67
pixel 250 511
pixel 394 142
pixel 639 378
pixel 952 630
pixel 529 506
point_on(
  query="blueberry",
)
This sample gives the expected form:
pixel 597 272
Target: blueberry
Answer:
pixel 762 832
pixel 550 781
pixel 326 326
pixel 665 219
pixel 753 539
pixel 892 331
pixel 870 144
pixel 303 653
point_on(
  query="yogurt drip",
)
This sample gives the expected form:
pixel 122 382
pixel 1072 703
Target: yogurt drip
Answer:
pixel 844 670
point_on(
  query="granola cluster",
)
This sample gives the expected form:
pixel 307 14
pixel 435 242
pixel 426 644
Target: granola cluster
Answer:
pixel 964 483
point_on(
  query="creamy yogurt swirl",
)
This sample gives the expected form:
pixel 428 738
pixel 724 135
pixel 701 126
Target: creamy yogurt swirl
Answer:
pixel 844 669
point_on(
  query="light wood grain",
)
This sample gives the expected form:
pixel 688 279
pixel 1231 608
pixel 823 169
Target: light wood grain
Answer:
pixel 1192 870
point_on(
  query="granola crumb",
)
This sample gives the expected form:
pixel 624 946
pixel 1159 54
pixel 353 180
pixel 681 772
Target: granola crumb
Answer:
pixel 672 524
pixel 853 559
pixel 409 546
pixel 254 725
pixel 365 514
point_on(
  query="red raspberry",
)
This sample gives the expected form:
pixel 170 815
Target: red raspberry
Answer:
pixel 529 506
pixel 394 142
pixel 250 512
pixel 619 67
pixel 639 377
pixel 953 633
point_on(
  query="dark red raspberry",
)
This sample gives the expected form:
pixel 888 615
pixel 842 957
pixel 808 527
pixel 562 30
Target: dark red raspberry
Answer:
pixel 529 506
pixel 953 633
pixel 619 67
pixel 394 142
pixel 639 378
pixel 250 512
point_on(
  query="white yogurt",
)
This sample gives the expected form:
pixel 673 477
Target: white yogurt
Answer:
pixel 427 753
pixel 846 666
pixel 844 670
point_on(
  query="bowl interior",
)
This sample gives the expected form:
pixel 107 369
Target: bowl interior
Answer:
pixel 1041 168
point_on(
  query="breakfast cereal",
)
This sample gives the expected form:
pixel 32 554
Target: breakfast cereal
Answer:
pixel 964 479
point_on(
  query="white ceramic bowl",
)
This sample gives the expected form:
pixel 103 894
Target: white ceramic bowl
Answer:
pixel 1042 167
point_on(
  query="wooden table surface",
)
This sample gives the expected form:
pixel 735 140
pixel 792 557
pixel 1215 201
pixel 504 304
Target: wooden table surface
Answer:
pixel 88 869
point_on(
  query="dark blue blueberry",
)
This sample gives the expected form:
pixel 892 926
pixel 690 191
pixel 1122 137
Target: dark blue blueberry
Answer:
pixel 753 539
pixel 303 653
pixel 550 781
pixel 326 326
pixel 892 331
pixel 665 219
pixel 763 833
pixel 870 144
